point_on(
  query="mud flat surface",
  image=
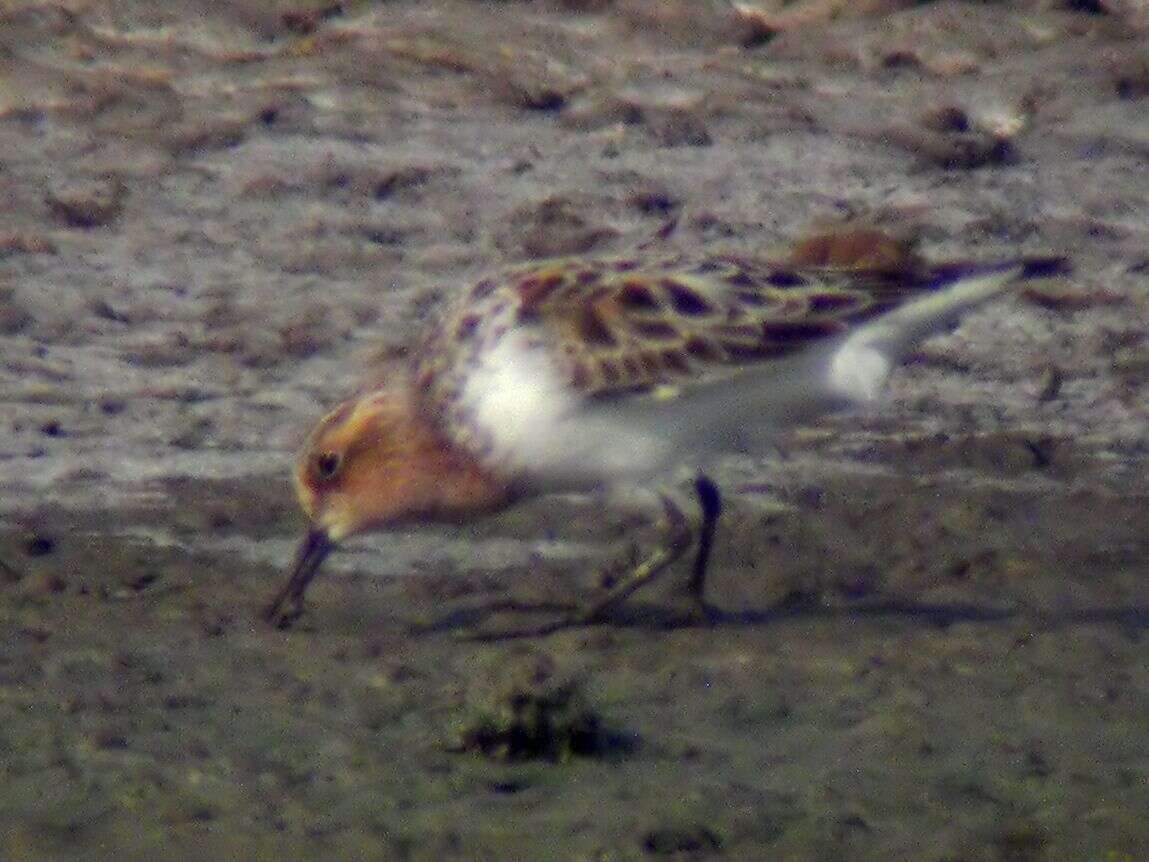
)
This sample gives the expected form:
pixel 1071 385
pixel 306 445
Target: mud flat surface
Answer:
pixel 215 217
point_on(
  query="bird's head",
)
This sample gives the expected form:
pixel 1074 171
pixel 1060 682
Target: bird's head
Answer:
pixel 372 462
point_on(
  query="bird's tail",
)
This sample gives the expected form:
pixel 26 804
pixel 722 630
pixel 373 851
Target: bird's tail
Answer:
pixel 945 292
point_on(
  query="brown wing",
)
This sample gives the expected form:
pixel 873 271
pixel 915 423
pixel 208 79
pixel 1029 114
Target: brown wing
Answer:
pixel 625 325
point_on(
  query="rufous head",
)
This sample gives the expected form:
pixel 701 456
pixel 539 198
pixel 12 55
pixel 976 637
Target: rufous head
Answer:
pixel 372 462
pixel 359 467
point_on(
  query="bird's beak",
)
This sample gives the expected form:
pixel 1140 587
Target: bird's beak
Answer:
pixel 313 550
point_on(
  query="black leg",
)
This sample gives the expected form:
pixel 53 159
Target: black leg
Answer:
pixel 710 502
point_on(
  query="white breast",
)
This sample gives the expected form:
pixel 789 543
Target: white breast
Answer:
pixel 539 426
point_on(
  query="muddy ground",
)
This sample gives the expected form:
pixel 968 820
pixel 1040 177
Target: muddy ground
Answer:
pixel 214 216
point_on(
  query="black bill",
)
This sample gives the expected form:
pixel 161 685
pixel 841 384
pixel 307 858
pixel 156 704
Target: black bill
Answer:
pixel 313 550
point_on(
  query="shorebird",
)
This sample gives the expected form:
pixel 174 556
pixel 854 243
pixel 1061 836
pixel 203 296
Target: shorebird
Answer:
pixel 580 373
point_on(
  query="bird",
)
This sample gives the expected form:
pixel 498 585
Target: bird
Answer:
pixel 584 373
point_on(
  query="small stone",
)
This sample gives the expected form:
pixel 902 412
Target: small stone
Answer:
pixel 88 203
pixel 1060 296
pixel 1132 82
pixel 213 133
pixel 308 333
pixel 946 118
pixel 691 22
pixel 13 317
pixel 535 81
pixel 304 22
pixel 950 64
pixel 40 545
pixel 855 247
pixel 954 151
pixel 110 738
pixel 160 352
pixel 556 227
pixel 676 127
pixel 193 434
pixel 681 841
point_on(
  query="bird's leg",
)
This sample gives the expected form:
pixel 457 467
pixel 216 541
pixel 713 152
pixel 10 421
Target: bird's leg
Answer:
pixel 679 537
pixel 710 504
pixel 678 540
pixel 648 568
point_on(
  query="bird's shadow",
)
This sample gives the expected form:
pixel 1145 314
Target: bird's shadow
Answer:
pixel 1133 619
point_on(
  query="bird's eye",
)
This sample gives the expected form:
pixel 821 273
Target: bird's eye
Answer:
pixel 327 464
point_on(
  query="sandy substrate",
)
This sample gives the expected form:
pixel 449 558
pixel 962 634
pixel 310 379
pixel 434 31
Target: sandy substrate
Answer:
pixel 936 611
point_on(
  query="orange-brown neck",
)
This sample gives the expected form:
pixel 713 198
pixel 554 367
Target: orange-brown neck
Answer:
pixel 394 466
pixel 448 482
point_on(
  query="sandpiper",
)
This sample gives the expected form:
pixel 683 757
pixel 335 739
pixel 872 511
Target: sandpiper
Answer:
pixel 578 373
